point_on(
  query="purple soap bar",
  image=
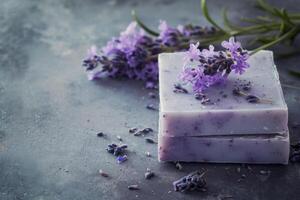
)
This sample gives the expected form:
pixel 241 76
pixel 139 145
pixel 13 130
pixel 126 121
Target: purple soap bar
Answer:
pixel 182 115
pixel 263 149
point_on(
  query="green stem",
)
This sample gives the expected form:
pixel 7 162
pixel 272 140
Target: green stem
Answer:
pixel 207 16
pixel 283 37
pixel 272 26
pixel 142 25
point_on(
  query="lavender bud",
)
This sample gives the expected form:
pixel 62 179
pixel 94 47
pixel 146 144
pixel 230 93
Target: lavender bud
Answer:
pixel 252 99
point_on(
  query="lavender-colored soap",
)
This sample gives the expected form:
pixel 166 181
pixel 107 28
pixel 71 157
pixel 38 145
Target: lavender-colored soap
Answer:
pixel 263 149
pixel 182 115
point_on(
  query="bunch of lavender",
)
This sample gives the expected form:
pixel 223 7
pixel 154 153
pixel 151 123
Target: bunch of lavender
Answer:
pixel 208 67
pixel 134 53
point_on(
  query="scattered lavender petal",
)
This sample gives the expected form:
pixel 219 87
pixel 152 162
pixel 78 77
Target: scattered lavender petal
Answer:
pixel 102 173
pixel 178 166
pixel 149 174
pixel 133 130
pixel 150 140
pixel 121 159
pixel 133 187
pixel 151 107
pixel 100 134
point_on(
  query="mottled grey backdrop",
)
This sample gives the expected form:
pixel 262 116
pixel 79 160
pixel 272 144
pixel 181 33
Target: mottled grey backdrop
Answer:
pixel 50 113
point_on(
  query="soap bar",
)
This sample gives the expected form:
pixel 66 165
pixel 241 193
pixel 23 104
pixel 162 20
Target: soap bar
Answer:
pixel 183 115
pixel 263 149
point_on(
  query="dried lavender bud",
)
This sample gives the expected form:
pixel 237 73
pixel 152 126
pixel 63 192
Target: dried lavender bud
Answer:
pixel 115 149
pixel 152 95
pixel 237 91
pixel 110 148
pixel 151 107
pixel 100 134
pixel 178 166
pixel 102 173
pixel 193 181
pixel 148 154
pixel 124 146
pixel 252 99
pixel 147 130
pixel 206 101
pixel 199 96
pixel 118 151
pixel 119 138
pixel 133 130
pixel 121 159
pixel 138 133
pixel 133 187
pixel 247 87
pixel 179 89
pixel 149 174
pixel 150 140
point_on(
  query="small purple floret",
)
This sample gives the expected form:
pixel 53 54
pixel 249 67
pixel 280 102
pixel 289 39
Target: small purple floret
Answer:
pixel 121 159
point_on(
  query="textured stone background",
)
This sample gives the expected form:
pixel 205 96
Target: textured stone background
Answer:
pixel 50 113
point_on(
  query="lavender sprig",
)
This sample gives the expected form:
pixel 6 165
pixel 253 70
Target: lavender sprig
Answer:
pixel 134 53
pixel 208 67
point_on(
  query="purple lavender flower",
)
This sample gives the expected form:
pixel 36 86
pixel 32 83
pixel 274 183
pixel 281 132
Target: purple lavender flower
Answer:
pixel 136 57
pixel 192 54
pixel 133 54
pixel 210 67
pixel 190 30
pixel 231 45
pixel 210 52
pixel 239 56
pixel 92 59
pixel 168 35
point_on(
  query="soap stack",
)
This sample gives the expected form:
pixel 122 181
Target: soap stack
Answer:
pixel 227 128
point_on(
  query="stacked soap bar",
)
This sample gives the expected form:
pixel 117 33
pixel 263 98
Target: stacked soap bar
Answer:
pixel 229 128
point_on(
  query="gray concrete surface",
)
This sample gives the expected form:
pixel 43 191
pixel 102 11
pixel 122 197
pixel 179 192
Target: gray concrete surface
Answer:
pixel 50 113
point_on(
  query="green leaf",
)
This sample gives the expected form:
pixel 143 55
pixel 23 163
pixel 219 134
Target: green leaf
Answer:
pixel 265 6
pixel 207 16
pixel 286 17
pixel 142 25
pixel 250 20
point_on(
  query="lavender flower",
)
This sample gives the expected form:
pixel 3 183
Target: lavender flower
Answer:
pixel 238 55
pixel 190 30
pixel 168 35
pixel 193 53
pixel 133 54
pixel 92 59
pixel 209 67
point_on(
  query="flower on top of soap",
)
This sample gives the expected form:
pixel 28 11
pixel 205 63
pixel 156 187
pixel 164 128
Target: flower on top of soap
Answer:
pixel 213 67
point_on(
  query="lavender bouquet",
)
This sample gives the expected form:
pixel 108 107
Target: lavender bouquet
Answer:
pixel 134 53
